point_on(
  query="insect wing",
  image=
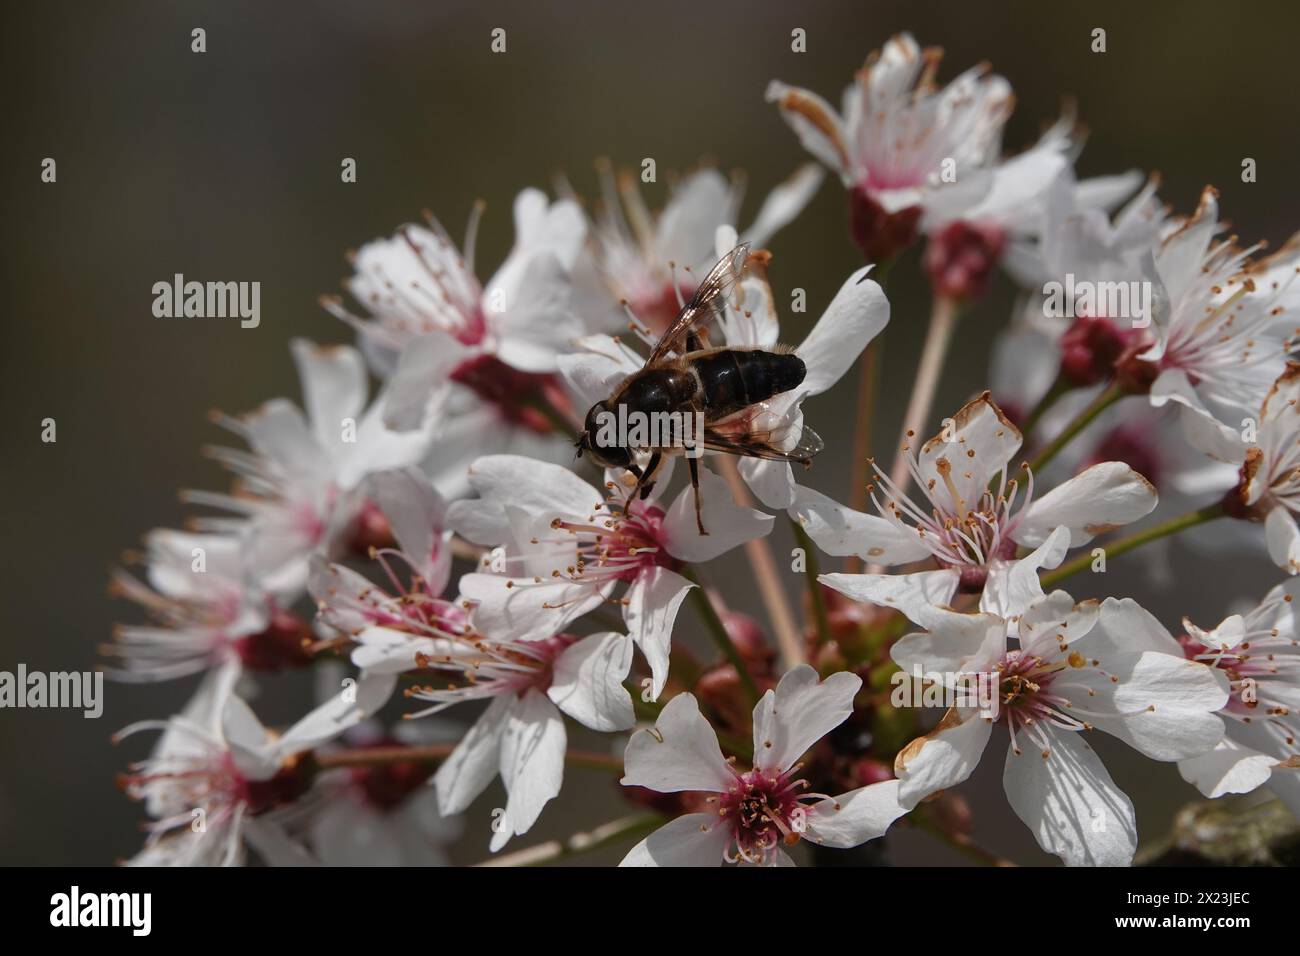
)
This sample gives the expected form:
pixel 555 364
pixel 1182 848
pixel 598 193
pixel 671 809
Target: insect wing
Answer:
pixel 762 432
pixel 706 304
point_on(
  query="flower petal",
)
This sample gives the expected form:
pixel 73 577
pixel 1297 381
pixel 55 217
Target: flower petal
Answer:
pixel 798 713
pixel 475 761
pixel 943 758
pixel 653 601
pixel 727 523
pixel 532 763
pixel 913 594
pixel 1230 767
pixel 1070 803
pixel 333 386
pixel 857 314
pixel 696 839
pixel 1106 496
pixel 1283 539
pixel 853 818
pixel 681 753
pixel 841 531
pixel 587 682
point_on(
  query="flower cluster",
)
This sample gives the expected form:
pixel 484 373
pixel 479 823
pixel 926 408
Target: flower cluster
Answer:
pixel 434 551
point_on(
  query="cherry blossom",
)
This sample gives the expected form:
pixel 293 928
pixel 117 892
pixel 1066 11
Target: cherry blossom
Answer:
pixel 752 815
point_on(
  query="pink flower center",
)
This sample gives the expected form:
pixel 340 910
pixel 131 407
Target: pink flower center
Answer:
pixel 522 398
pixel 763 811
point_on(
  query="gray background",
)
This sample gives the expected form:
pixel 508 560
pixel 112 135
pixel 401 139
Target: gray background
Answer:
pixel 226 165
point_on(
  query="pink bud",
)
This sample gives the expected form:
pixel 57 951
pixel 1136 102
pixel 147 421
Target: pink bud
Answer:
pixel 961 257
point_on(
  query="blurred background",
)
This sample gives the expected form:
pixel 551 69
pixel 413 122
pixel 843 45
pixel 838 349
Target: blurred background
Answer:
pixel 225 165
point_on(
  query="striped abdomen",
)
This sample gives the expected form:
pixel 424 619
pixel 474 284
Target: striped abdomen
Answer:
pixel 734 378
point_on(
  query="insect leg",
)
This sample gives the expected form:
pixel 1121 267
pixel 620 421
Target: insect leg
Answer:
pixel 694 464
pixel 646 482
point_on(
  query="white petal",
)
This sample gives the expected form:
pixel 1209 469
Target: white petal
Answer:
pixel 1283 539
pixel 728 524
pixel 913 594
pixel 249 742
pixel 943 758
pixel 587 682
pixel 1124 626
pixel 1229 768
pixel 841 531
pixel 976 444
pixel 653 601
pixel 681 753
pixel 417 515
pixel 474 762
pixel 538 488
pixel 333 385
pixel 798 713
pixel 1204 432
pixel 696 839
pixel 955 643
pixel 597 369
pixel 278 431
pixel 685 231
pixel 348 708
pixel 1164 705
pixel 857 314
pixel 537 323
pixel 532 763
pixel 771 481
pixel 1106 496
pixel 521 609
pixel 853 818
pixel 1013 586
pixel 1070 803
pixel 421 380
pixel 815 123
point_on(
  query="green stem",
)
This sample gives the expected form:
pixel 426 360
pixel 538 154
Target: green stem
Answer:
pixel 718 631
pixel 959 842
pixel 1136 540
pixel 1045 404
pixel 1107 398
pixel 814 589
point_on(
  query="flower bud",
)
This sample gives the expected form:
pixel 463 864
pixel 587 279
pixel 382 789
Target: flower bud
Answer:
pixel 960 259
pixel 282 645
pixel 880 235
pixel 1090 348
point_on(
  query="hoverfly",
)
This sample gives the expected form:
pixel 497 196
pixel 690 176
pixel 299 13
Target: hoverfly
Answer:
pixel 728 389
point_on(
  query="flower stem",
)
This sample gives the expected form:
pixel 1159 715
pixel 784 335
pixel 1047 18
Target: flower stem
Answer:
pixel 1124 545
pixel 961 843
pixel 1112 394
pixel 718 631
pixel 435 753
pixel 616 831
pixel 943 320
pixel 815 595
pixel 770 588
pixel 1045 404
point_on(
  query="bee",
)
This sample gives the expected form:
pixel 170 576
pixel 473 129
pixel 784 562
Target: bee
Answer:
pixel 727 389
